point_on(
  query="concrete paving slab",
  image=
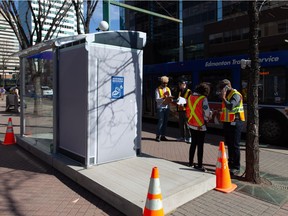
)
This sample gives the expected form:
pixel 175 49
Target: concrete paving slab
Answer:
pixel 124 184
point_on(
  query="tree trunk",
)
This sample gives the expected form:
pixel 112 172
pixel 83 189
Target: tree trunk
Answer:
pixel 37 100
pixel 252 142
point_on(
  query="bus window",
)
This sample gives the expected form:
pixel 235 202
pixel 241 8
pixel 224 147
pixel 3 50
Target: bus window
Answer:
pixel 272 85
pixel 213 77
pixel 148 94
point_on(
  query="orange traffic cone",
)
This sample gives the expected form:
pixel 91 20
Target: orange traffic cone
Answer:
pixel 9 136
pixel 223 179
pixel 154 206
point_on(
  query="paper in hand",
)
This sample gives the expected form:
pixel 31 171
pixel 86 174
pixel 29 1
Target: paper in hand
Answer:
pixel 181 101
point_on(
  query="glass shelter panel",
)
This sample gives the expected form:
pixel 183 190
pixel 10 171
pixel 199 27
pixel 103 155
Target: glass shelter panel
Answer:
pixel 38 97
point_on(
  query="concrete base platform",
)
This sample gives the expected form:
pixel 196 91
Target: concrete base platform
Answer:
pixel 124 184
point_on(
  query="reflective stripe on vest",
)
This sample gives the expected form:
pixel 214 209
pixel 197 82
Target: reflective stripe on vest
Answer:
pixel 183 108
pixel 196 111
pixel 229 115
pixel 161 92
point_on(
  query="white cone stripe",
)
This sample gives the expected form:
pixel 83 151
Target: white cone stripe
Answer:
pixel 154 186
pixel 219 154
pixel 9 130
pixel 155 204
pixel 218 165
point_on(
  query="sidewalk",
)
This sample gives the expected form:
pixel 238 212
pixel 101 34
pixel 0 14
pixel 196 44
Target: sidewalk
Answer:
pixel 4 116
pixel 248 199
pixel 30 187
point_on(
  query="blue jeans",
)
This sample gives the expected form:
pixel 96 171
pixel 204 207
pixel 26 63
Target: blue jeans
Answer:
pixel 162 114
pixel 232 134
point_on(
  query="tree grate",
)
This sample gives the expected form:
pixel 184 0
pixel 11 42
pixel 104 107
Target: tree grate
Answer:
pixel 282 187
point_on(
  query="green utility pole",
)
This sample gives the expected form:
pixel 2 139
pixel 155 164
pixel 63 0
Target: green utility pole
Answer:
pixel 106 11
pixel 144 11
pixel 106 17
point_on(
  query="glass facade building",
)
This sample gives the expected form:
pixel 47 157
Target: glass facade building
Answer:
pixel 9 65
pixel 209 28
pixel 162 35
pixel 66 27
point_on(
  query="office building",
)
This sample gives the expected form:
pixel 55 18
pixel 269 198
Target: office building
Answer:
pixel 230 36
pixel 8 45
pixel 162 35
pixel 66 27
pixel 210 28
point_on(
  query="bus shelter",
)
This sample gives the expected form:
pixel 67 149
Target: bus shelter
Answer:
pixel 81 96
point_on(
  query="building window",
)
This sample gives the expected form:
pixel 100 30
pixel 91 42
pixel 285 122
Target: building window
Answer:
pixel 245 33
pixel 227 37
pixel 216 38
pixel 282 27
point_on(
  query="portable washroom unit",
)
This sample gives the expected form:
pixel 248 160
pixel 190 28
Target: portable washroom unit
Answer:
pixel 100 96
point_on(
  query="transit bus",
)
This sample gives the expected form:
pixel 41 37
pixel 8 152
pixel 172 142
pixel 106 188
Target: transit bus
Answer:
pixel 273 88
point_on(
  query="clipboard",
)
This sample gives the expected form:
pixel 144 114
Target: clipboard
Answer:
pixel 167 100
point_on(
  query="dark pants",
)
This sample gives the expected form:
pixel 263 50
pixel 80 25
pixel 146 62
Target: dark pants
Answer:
pixel 197 141
pixel 232 134
pixel 162 115
pixel 184 130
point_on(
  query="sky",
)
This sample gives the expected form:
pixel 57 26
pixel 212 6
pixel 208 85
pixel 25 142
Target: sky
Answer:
pixel 98 17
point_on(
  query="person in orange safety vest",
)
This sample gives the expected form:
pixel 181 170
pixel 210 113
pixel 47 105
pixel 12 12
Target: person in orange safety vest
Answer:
pixel 232 116
pixel 198 113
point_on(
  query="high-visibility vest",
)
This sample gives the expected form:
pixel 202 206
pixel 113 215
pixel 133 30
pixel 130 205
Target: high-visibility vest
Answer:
pixel 229 115
pixel 186 95
pixel 161 91
pixel 194 110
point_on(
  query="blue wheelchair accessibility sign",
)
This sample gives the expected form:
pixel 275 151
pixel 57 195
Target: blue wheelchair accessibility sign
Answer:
pixel 117 87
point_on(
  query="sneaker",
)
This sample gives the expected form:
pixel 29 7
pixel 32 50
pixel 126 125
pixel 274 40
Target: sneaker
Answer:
pixel 234 172
pixel 163 138
pixel 188 140
pixel 200 168
pixel 180 139
pixel 157 138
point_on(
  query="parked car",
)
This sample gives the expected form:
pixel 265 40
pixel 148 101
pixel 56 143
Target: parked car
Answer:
pixel 46 91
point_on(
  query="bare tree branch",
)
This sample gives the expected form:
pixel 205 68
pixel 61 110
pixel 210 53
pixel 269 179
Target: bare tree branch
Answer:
pixel 57 20
pixel 10 14
pixel 25 37
pixel 90 7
